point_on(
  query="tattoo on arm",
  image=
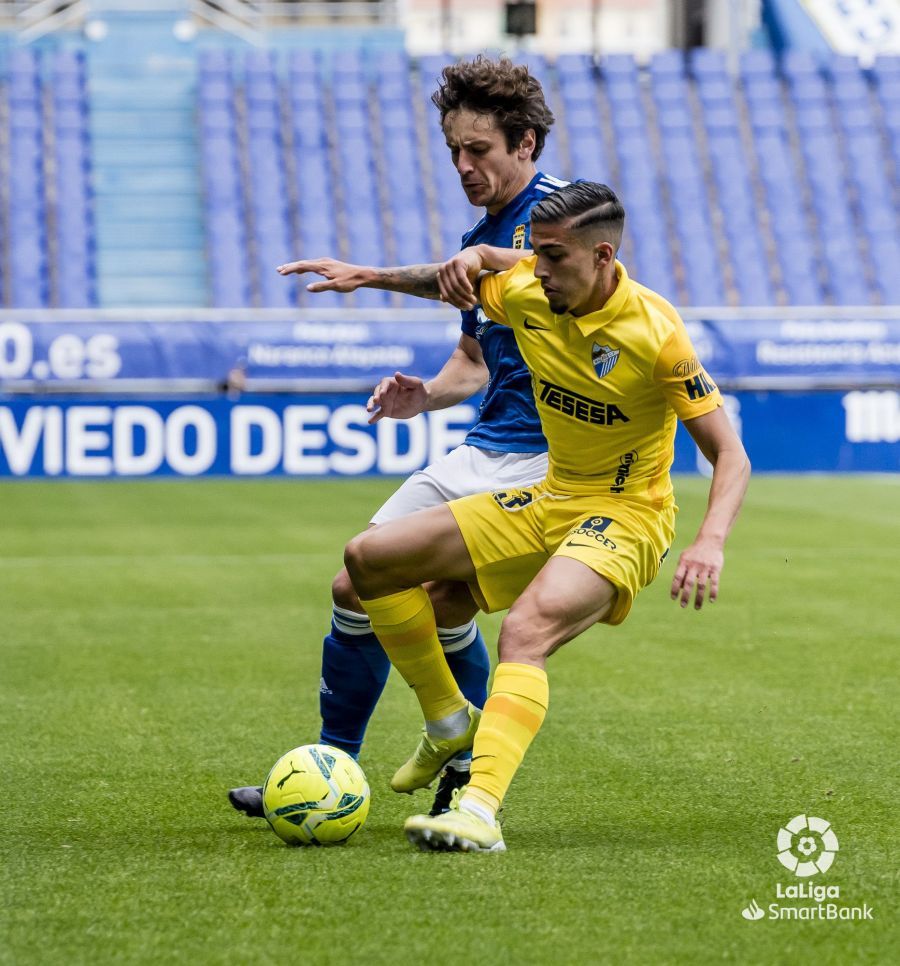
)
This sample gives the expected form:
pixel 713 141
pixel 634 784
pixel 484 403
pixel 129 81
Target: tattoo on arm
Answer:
pixel 420 280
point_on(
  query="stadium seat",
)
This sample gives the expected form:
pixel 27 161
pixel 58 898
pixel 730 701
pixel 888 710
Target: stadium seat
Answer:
pixel 214 62
pixel 707 62
pixel 885 257
pixel 796 62
pixel 757 62
pixel 303 63
pixel 70 192
pixel 808 92
pixel 820 158
pixel 667 64
pixel 619 66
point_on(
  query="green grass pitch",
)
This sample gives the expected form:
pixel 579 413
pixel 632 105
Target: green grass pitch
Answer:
pixel 159 642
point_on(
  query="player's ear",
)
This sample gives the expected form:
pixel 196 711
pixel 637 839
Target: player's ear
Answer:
pixel 526 145
pixel 604 253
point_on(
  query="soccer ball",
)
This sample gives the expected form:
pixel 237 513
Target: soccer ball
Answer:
pixel 315 795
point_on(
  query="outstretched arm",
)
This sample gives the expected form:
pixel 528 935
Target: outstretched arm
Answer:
pixel 420 280
pixel 402 397
pixel 700 564
pixel 454 281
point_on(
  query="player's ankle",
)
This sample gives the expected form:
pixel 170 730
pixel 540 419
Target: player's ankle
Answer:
pixel 451 726
pixel 480 804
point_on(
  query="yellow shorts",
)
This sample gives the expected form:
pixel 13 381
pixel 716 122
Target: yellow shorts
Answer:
pixel 511 534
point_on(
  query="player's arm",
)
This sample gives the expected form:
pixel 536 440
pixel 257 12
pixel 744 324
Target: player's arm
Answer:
pixel 402 397
pixel 459 280
pixel 454 281
pixel 700 564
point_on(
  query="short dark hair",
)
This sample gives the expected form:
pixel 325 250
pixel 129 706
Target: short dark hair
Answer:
pixel 499 88
pixel 585 203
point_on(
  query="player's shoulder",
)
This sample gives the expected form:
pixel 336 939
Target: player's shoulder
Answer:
pixel 659 318
pixel 522 293
pixel 543 185
pixel 521 275
pixel 474 233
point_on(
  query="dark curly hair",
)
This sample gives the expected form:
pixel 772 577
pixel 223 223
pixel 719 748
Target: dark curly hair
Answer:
pixel 499 88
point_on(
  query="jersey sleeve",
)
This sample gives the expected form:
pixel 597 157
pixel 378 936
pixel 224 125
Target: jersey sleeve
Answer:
pixel 681 378
pixel 469 322
pixel 491 291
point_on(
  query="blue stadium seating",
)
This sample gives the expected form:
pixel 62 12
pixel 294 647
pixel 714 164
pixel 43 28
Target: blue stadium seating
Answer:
pixel 223 193
pixel 578 93
pixel 75 282
pixel 639 185
pixel 408 240
pixel 770 186
pixel 48 243
pixel 733 183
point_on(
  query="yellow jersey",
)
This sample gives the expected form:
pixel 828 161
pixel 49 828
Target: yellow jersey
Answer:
pixel 609 386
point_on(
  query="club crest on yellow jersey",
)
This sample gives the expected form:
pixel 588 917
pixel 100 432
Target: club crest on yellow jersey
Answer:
pixel 513 500
pixel 603 358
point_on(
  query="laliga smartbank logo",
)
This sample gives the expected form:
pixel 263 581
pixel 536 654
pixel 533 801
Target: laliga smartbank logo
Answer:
pixel 806 846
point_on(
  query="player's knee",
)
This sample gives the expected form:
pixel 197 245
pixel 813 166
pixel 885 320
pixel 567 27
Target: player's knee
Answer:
pixel 369 563
pixel 343 593
pixel 452 602
pixel 521 638
pixel 358 559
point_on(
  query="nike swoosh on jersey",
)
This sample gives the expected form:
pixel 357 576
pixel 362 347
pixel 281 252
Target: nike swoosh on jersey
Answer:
pixel 542 328
pixel 589 546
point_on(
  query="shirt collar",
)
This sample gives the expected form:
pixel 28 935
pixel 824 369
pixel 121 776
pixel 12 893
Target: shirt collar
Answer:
pixel 593 321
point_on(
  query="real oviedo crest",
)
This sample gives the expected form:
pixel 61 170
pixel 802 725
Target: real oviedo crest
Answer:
pixel 603 357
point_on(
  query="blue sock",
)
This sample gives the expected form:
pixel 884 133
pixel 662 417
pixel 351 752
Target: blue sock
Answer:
pixel 467 656
pixel 354 672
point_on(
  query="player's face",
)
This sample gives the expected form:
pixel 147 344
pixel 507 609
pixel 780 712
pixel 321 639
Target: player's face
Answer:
pixel 569 270
pixel 490 173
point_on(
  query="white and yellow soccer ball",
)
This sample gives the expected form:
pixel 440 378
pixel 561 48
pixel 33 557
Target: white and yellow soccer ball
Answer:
pixel 316 795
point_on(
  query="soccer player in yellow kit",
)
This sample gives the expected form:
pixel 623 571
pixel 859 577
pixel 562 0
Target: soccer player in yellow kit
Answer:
pixel 613 369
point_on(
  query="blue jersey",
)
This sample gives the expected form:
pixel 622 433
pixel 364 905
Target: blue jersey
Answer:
pixel 507 420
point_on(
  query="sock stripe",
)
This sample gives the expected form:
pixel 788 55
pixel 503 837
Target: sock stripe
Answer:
pixel 404 624
pixel 350 615
pixel 455 639
pixel 512 716
pixel 354 625
pixel 407 638
pixel 512 709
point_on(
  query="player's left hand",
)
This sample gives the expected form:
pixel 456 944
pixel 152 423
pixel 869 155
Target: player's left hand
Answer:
pixel 699 567
pixel 398 396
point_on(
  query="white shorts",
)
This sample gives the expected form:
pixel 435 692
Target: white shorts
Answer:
pixel 462 472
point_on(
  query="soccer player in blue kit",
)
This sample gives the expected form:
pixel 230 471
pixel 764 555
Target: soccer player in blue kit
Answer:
pixel 495 121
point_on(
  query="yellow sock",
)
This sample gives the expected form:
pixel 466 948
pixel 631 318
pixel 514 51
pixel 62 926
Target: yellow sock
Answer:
pixel 404 624
pixel 512 716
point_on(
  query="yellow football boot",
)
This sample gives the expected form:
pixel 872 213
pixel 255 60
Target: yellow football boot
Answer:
pixel 454 831
pixel 431 756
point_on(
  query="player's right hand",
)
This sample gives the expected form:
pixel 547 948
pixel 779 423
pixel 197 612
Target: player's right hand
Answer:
pixel 397 396
pixel 340 276
pixel 456 277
